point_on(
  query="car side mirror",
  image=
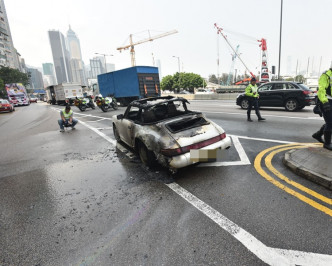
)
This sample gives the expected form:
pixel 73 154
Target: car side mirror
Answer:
pixel 120 117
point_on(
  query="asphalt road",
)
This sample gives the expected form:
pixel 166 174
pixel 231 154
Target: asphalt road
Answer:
pixel 78 198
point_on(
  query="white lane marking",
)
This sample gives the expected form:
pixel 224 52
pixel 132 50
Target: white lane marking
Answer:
pixel 244 160
pixel 266 140
pixel 278 116
pixel 104 128
pixel 112 141
pixel 84 115
pixel 97 120
pixel 271 256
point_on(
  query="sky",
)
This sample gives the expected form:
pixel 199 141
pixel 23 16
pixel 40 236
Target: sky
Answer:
pixel 104 25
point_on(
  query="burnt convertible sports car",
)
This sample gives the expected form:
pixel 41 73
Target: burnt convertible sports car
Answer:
pixel 163 130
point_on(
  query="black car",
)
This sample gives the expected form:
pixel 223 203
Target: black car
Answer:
pixel 291 95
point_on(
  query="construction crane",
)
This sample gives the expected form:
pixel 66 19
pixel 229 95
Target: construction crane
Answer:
pixel 230 75
pixel 133 44
pixel 264 75
pixel 220 31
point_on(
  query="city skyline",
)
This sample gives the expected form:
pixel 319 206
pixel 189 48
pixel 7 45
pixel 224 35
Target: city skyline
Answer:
pixel 196 43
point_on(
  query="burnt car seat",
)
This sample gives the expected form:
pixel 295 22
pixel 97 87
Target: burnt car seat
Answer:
pixel 171 109
pixel 160 111
pixel 148 116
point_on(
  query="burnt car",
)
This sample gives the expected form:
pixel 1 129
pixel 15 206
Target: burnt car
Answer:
pixel 164 130
pixel 291 95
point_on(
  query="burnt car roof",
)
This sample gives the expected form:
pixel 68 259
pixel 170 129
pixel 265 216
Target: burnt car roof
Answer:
pixel 153 101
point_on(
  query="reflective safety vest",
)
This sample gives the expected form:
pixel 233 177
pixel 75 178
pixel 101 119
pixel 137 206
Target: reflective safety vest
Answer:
pixel 67 115
pixel 324 90
pixel 250 90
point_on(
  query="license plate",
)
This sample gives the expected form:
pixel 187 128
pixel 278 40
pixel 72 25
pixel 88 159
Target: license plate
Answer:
pixel 206 155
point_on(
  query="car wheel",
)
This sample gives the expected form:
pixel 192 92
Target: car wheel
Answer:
pixel 291 105
pixel 116 133
pixel 244 104
pixel 147 157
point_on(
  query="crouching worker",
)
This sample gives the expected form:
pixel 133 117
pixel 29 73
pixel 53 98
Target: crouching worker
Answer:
pixel 67 119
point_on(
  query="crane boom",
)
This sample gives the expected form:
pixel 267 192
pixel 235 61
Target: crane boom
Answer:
pixel 219 31
pixel 150 39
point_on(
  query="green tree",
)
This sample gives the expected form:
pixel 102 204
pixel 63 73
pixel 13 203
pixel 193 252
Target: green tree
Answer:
pixel 167 83
pixel 10 75
pixel 213 79
pixel 2 89
pixel 299 78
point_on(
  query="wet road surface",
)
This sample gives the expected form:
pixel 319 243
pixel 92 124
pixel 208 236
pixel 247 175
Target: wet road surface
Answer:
pixel 75 198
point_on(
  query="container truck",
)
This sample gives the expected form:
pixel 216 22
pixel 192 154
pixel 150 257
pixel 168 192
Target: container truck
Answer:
pixel 130 84
pixel 62 93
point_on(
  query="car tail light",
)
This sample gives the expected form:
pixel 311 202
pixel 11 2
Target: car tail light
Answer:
pixel 306 92
pixel 196 146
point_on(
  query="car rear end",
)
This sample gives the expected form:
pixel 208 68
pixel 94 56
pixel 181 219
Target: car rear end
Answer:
pixel 196 139
pixel 5 106
pixel 309 97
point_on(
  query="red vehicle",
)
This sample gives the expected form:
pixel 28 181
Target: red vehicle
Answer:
pixel 6 106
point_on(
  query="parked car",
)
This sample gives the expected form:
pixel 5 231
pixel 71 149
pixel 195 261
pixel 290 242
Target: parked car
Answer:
pixel 203 91
pixel 33 99
pixel 163 130
pixel 291 95
pixel 5 105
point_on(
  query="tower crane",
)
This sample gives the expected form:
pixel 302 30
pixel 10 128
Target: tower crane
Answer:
pixel 133 44
pixel 230 75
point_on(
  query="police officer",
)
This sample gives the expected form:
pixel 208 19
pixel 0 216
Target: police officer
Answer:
pixel 325 98
pixel 253 96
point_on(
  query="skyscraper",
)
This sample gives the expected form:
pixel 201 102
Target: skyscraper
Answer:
pixel 76 62
pixel 36 79
pixel 96 67
pixel 8 54
pixel 49 75
pixel 60 57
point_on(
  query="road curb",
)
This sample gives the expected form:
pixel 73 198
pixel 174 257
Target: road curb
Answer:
pixel 301 170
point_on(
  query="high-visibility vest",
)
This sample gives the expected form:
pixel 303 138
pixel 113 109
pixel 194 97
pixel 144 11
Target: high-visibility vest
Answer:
pixel 67 115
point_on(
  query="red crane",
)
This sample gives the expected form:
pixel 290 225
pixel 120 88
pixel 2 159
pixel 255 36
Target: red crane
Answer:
pixel 264 76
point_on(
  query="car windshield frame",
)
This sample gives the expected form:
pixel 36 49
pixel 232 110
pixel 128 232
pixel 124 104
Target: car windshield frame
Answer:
pixel 4 101
pixel 304 87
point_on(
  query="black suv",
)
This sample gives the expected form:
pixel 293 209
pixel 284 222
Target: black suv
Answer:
pixel 291 95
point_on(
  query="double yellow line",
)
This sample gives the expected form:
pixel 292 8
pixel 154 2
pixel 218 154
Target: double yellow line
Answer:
pixel 268 162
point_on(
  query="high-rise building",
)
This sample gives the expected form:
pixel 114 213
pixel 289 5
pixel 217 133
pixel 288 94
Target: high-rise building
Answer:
pixel 96 67
pixel 76 62
pixel 8 54
pixel 48 69
pixel 61 57
pixel 36 78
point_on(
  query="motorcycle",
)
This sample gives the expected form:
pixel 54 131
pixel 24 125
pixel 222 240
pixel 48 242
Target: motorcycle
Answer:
pixel 106 103
pixel 83 103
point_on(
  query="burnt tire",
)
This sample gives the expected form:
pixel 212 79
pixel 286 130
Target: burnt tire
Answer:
pixel 116 133
pixel 147 157
pixel 291 105
pixel 245 104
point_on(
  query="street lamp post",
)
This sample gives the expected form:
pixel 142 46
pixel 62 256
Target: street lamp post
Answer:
pixel 280 40
pixel 105 59
pixel 179 70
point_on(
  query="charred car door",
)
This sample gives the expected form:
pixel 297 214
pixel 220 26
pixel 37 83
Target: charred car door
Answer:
pixel 127 125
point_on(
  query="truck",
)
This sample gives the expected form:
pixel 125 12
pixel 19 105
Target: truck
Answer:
pixel 17 94
pixel 130 84
pixel 63 93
